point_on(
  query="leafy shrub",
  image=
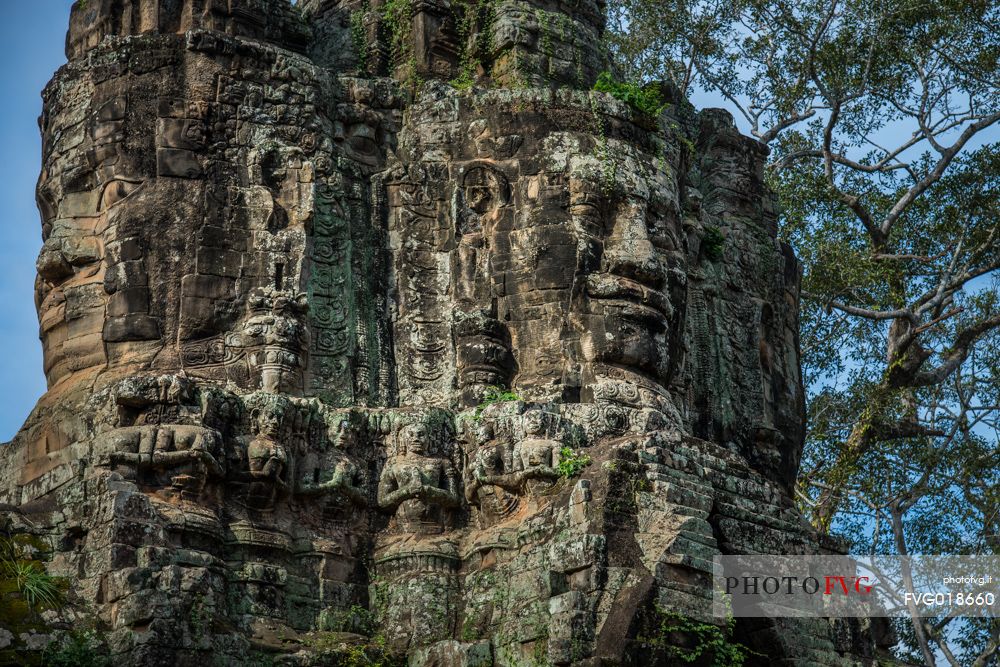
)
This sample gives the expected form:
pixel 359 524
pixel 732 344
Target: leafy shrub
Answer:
pixel 572 463
pixel 336 651
pixel 495 395
pixel 713 243
pixel 356 619
pixel 669 631
pixel 76 649
pixel 644 98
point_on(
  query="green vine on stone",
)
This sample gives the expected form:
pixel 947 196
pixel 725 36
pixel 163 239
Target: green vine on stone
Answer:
pixel 397 17
pixel 359 37
pixel 713 243
pixel 602 151
pixel 545 29
pixel 473 26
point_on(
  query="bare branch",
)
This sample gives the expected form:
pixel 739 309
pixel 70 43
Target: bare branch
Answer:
pixel 902 313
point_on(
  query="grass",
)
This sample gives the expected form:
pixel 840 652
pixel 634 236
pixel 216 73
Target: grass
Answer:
pixel 35 585
pixel 27 577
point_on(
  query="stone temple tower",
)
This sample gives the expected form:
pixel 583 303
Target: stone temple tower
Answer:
pixel 370 327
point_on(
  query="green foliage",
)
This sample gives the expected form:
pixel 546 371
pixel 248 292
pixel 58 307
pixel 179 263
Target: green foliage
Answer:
pixel 200 617
pixel 571 462
pixel 602 150
pixel 77 649
pixel 347 653
pixel 645 98
pixel 36 586
pixel 688 641
pixel 356 619
pixel 882 117
pixel 359 38
pixel 371 656
pixel 713 243
pixel 258 659
pixel 473 22
pixel 397 18
pixel 494 395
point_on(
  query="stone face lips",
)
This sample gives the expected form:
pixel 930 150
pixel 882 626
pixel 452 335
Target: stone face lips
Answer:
pixel 341 352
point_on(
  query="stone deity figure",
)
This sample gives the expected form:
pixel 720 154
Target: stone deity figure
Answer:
pixel 267 461
pixel 418 485
pixel 536 456
pixel 345 477
pixel 490 483
pixel 188 455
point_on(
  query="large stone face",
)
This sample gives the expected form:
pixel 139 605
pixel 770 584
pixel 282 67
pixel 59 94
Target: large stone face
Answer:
pixel 289 272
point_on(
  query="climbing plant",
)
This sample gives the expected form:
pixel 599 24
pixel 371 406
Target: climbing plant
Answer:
pixel 397 19
pixel 359 37
pixel 474 21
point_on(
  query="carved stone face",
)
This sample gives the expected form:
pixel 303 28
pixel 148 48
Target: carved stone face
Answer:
pixel 268 424
pixel 415 439
pixel 161 222
pixel 484 433
pixel 566 234
pixel 535 423
pixel 344 435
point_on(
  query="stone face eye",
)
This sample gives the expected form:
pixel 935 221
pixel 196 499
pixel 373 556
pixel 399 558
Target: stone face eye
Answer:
pixel 116 191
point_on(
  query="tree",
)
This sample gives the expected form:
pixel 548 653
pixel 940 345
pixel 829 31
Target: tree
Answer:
pixel 883 118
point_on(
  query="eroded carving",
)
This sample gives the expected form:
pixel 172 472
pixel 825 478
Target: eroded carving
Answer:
pixel 419 483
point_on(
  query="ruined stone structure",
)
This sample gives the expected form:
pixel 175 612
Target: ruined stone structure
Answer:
pixel 338 300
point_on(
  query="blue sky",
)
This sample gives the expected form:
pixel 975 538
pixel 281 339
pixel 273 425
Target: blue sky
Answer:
pixel 32 35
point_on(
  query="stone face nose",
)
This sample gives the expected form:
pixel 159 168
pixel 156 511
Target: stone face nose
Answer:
pixel 629 252
pixel 51 263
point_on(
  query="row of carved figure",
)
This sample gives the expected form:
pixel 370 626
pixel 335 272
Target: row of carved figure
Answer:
pixel 505 457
